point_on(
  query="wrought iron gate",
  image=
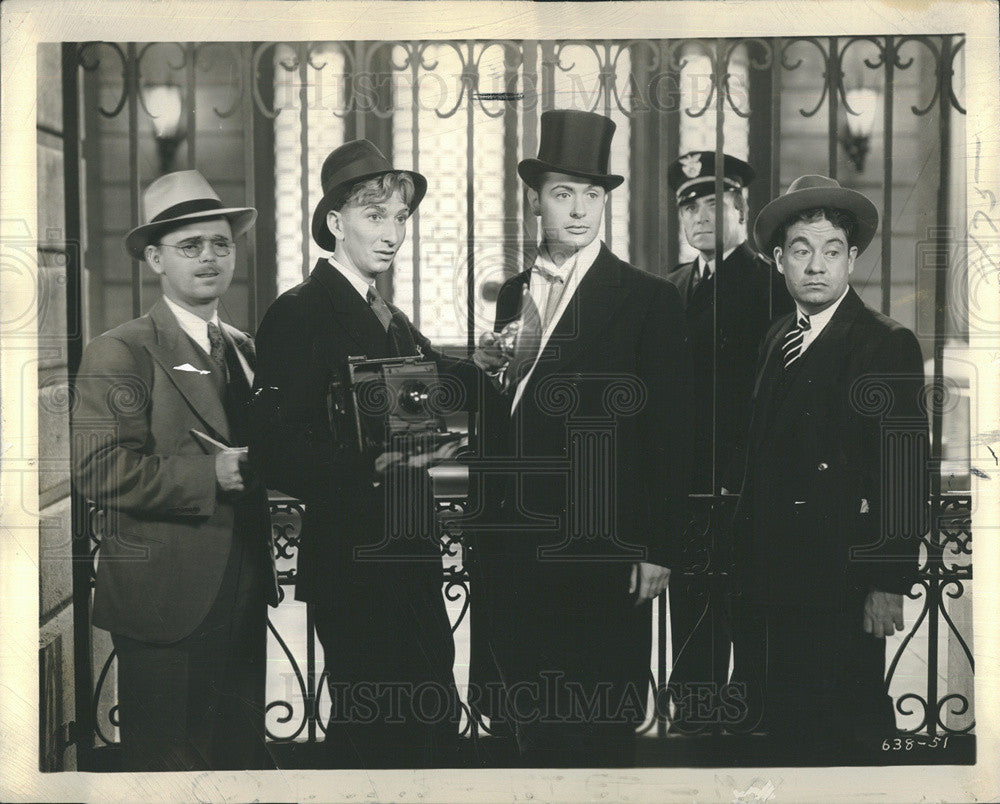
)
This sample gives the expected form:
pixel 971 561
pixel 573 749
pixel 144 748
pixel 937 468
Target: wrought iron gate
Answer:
pixel 645 96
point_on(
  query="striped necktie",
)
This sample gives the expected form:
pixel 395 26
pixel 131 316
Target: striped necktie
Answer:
pixel 791 347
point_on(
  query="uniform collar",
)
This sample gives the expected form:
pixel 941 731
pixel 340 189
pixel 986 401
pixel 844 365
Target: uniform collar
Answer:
pixel 710 266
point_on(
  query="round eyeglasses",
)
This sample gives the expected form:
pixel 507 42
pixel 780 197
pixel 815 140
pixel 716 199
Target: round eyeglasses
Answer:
pixel 194 248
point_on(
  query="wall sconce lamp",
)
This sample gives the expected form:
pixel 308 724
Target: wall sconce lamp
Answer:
pixel 166 109
pixel 856 138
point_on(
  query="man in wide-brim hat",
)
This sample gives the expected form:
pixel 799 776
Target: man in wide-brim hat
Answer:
pixel 834 496
pixel 186 567
pixel 578 549
pixel 382 623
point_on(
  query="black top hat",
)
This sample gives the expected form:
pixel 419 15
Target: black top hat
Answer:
pixel 575 143
pixel 352 162
pixel 692 175
pixel 810 192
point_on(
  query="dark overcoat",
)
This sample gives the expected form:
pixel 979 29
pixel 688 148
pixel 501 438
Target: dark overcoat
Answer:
pixel 729 313
pixel 833 505
pixel 727 317
pixel 378 609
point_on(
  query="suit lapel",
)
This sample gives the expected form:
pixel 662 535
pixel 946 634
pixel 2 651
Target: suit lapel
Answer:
pixel 244 346
pixel 767 382
pixel 818 359
pixel 685 285
pixel 400 334
pixel 587 315
pixel 352 311
pixel 173 348
pixel 510 299
pixel 735 270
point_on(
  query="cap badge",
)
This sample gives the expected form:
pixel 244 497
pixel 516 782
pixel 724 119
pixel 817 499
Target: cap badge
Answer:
pixel 691 165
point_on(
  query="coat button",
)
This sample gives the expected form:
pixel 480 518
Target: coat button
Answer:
pixel 823 467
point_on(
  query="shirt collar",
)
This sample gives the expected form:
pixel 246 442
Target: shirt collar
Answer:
pixel 188 320
pixel 584 257
pixel 819 320
pixel 359 283
pixel 710 266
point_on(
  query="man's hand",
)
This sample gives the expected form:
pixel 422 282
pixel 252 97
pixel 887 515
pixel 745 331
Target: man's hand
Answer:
pixel 647 581
pixel 228 473
pixel 421 460
pixel 384 461
pixel 883 613
pixel 491 355
pixel 445 452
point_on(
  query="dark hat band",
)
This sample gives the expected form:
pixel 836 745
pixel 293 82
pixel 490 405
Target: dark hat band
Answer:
pixel 187 208
pixel 705 186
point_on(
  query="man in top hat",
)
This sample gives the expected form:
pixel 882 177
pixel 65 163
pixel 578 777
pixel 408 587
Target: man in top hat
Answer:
pixel 380 618
pixel 590 479
pixel 185 568
pixel 727 311
pixel 834 498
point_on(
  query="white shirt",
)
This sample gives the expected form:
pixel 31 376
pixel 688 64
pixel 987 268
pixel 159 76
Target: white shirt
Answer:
pixel 708 268
pixel 358 282
pixel 197 328
pixel 573 271
pixel 818 321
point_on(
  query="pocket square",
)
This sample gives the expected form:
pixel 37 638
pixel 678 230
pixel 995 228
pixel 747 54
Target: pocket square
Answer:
pixel 189 367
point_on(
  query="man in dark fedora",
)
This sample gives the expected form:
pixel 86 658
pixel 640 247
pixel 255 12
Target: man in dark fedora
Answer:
pixel 727 311
pixel 385 633
pixel 834 498
pixel 590 479
pixel 185 568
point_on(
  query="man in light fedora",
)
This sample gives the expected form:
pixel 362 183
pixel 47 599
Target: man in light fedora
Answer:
pixel 834 497
pixel 185 568
pixel 728 306
pixel 383 626
pixel 588 494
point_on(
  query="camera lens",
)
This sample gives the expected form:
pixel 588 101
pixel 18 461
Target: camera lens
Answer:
pixel 413 397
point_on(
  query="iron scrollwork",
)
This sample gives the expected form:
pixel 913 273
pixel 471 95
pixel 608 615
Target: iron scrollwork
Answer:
pixel 946 571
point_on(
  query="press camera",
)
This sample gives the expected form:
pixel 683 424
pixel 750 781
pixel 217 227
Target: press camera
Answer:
pixel 394 404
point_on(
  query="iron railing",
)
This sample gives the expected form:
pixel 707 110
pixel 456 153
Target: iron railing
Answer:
pixel 944 572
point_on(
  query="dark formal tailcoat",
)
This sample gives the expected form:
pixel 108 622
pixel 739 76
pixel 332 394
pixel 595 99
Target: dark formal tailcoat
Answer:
pixel 729 313
pixel 595 448
pixel 833 502
pixel 168 532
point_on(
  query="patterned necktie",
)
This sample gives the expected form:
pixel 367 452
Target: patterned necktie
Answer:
pixel 527 341
pixel 556 286
pixel 379 307
pixel 791 347
pixel 218 348
pixel 394 323
pixel 236 389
